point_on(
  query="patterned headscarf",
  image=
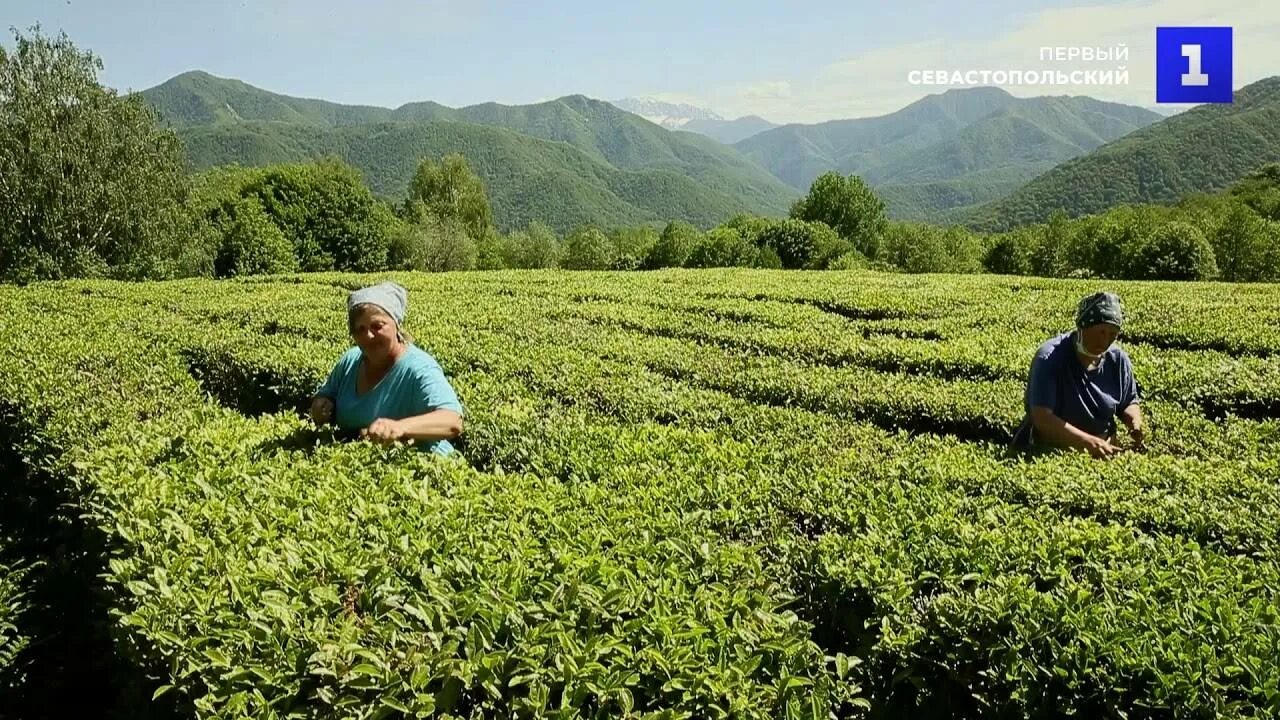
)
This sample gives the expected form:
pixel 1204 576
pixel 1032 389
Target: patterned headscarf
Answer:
pixel 1100 307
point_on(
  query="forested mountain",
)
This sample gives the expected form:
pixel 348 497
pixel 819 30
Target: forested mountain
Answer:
pixel 730 131
pixel 670 115
pixel 527 178
pixel 1203 149
pixel 947 150
pixel 682 116
pixel 577 156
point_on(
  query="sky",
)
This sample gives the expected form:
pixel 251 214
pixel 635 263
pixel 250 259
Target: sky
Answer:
pixel 810 62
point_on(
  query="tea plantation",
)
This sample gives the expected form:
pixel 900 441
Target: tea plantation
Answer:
pixel 685 494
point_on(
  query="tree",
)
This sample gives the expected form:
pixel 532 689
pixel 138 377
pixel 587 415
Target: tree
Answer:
pixel 920 248
pixel 432 244
pixel 328 213
pixel 451 190
pixel 252 244
pixel 796 241
pixel 767 259
pixel 750 227
pixel 1056 243
pixel 587 249
pixel 962 249
pixel 722 247
pixel 90 184
pixel 1011 253
pixel 1260 190
pixel 829 247
pixel 673 246
pixel 1103 243
pixel 1244 248
pixel 1174 251
pixel 489 252
pixel 848 206
pixel 536 247
pixel 631 246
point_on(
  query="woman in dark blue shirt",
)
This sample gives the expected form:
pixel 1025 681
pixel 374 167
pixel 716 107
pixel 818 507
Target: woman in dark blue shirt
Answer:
pixel 1080 383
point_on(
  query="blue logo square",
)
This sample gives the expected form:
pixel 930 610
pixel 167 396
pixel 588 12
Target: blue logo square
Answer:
pixel 1193 64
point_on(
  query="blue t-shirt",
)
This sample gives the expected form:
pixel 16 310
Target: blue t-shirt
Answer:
pixel 1088 399
pixel 414 385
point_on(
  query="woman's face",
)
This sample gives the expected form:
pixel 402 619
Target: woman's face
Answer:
pixel 1097 338
pixel 374 331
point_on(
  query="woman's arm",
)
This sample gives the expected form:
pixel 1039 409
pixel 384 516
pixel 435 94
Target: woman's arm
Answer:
pixel 1132 417
pixel 435 425
pixel 1063 434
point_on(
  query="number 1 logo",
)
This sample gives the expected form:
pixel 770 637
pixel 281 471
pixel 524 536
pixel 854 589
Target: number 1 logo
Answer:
pixel 1193 77
pixel 1193 64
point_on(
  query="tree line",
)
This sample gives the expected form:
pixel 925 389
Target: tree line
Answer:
pixel 92 185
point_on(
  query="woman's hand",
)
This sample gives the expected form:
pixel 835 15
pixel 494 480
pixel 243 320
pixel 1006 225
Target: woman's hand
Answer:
pixel 1101 448
pixel 321 409
pixel 1139 437
pixel 384 430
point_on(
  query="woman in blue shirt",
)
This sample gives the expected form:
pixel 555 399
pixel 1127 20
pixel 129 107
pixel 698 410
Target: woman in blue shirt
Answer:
pixel 386 387
pixel 1080 383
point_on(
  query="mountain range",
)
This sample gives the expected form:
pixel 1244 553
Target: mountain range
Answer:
pixel 566 161
pixel 977 156
pixel 1204 149
pixel 683 116
pixel 947 152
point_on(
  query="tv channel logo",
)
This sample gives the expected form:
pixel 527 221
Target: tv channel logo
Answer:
pixel 1193 64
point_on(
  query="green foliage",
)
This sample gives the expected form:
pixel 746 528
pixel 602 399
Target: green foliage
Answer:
pixel 631 245
pixel 852 260
pixel 768 259
pixel 829 247
pixel 251 243
pixel 848 206
pixel 778 487
pixel 587 249
pixel 797 241
pixel 489 252
pixel 1056 247
pixel 90 185
pixel 324 209
pixel 1260 190
pixel 1205 149
pixel 1173 251
pixel 534 248
pixel 1246 247
pixel 589 162
pixel 452 191
pixel 673 247
pixel 1100 246
pixel 749 227
pixel 1212 236
pixel 722 247
pixel 431 243
pixel 918 248
pixel 1013 252
pixel 15 607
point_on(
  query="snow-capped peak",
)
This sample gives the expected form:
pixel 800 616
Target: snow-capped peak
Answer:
pixel 667 114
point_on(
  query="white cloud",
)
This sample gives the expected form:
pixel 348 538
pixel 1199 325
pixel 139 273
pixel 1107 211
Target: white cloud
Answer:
pixel 876 82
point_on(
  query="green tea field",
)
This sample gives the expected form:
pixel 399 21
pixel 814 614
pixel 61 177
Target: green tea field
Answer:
pixel 683 494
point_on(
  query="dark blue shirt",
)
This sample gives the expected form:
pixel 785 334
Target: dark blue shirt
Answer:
pixel 1088 399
